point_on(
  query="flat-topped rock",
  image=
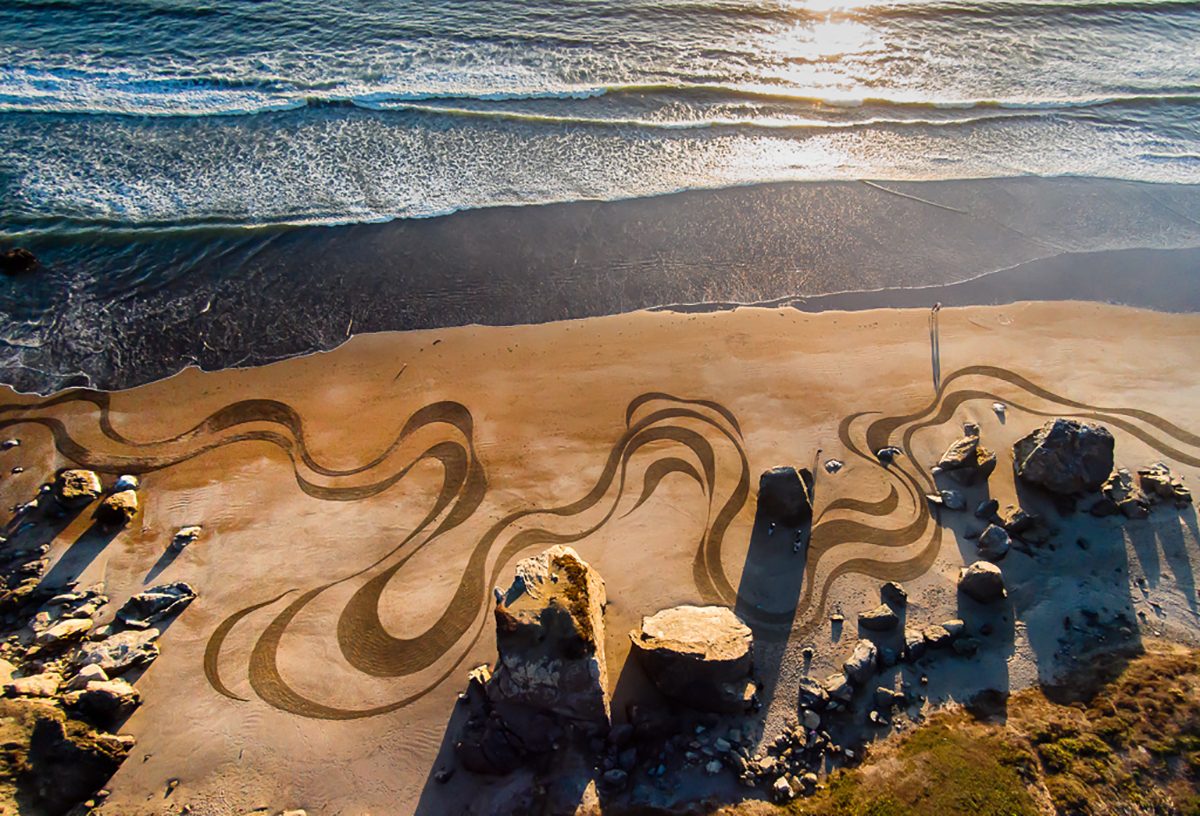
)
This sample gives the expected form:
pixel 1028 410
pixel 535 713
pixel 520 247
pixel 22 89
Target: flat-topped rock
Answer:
pixel 983 581
pixel 701 656
pixel 966 461
pixel 118 509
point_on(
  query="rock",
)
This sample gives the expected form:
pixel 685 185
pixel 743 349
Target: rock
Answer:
pixel 888 455
pixel 68 762
pixel 87 674
pixel 7 670
pixel 616 779
pixel 886 698
pixel 983 582
pixel 1016 521
pixel 936 636
pixel 1157 480
pixel 812 694
pixel 987 510
pixel 966 461
pixel 1065 456
pixel 185 537
pixel 966 646
pixel 77 488
pixel 914 644
pixel 104 701
pixel 879 619
pixel 893 595
pixel 118 509
pixel 952 500
pixel 994 543
pixel 811 720
pixel 120 652
pixel 9 444
pixel 36 685
pixel 64 632
pixel 833 465
pixel 18 261
pixel 954 626
pixel 550 638
pixel 838 687
pixel 785 496
pixel 1123 496
pixel 700 656
pixel 861 664
pixel 159 603
pixel 781 791
pixel 126 482
pixel 713 768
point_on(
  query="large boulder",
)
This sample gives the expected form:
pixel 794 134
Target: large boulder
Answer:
pixel 74 489
pixel 1065 456
pixel 145 609
pixel 785 495
pixel 550 638
pixel 701 656
pixel 550 679
pixel 982 581
pixel 966 461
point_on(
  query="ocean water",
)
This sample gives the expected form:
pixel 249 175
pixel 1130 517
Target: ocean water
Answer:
pixel 153 114
pixel 227 182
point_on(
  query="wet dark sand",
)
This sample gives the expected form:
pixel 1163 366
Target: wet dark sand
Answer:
pixel 112 312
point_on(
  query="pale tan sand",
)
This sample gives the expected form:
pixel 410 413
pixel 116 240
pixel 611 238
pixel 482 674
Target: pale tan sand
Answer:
pixel 548 403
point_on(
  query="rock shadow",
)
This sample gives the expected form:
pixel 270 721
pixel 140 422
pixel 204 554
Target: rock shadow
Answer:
pixel 1073 593
pixel 165 560
pixel 71 564
pixel 769 593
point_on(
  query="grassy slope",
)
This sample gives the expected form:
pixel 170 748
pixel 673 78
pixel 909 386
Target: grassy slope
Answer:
pixel 1130 747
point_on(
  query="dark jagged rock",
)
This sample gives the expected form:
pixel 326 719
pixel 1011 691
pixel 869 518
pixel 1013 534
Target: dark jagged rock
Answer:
pixel 1065 456
pixel 994 543
pixel 1157 481
pixel 701 656
pixel 983 582
pixel 120 652
pixel 18 261
pixel 785 495
pixel 987 510
pixel 104 701
pixel 966 461
pixel 159 603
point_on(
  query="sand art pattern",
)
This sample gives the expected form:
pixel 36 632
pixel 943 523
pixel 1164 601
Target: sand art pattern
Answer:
pixel 698 439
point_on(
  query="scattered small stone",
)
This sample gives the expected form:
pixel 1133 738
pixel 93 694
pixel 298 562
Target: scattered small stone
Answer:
pixel 126 482
pixel 9 444
pixel 994 543
pixel 987 509
pixel 17 471
pixel 833 465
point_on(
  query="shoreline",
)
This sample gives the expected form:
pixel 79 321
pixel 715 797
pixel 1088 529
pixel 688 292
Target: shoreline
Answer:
pixel 113 315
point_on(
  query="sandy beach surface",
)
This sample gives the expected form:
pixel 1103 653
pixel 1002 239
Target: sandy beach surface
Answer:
pixel 359 505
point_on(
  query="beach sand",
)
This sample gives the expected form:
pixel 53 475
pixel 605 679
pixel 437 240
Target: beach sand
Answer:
pixel 420 449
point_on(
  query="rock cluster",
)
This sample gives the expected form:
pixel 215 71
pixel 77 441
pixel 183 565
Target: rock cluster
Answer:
pixel 966 461
pixel 1065 456
pixel 702 657
pixel 61 666
pixel 1134 499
